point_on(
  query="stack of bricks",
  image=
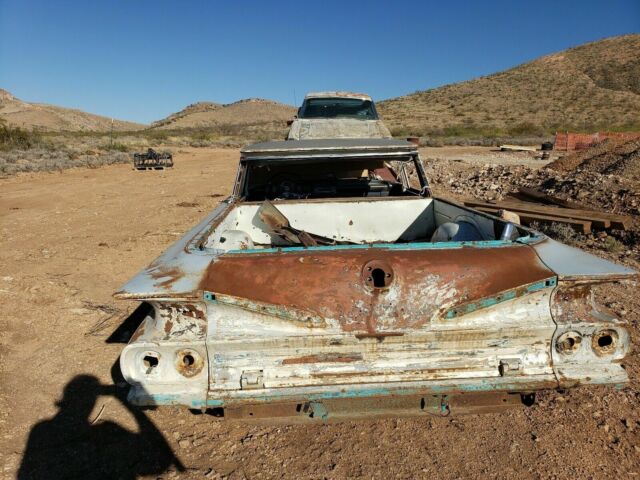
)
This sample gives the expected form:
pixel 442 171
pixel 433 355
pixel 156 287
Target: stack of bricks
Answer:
pixel 579 141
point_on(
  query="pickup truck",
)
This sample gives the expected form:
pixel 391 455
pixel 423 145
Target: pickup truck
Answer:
pixel 331 284
pixel 337 115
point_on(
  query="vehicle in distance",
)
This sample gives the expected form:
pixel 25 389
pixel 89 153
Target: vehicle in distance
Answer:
pixel 332 284
pixel 337 115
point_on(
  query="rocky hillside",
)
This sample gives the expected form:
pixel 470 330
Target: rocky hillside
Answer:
pixel 251 111
pixel 45 117
pixel 593 86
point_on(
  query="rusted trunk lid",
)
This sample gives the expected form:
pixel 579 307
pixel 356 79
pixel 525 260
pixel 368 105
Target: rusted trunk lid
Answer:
pixel 375 291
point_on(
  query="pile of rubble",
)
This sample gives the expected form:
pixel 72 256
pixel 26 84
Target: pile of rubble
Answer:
pixel 605 178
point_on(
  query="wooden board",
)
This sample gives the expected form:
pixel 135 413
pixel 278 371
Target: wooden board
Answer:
pixel 530 193
pixel 582 226
pixel 517 148
pixel 599 219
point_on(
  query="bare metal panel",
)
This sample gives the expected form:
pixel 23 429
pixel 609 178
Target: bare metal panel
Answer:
pixel 573 263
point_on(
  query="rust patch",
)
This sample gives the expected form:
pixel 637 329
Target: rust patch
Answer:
pixel 168 325
pixel 329 283
pixel 188 310
pixel 182 320
pixel 165 276
pixel 324 358
pixel 573 301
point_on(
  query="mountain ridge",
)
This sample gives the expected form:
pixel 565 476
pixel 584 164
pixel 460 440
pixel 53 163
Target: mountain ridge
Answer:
pixel 593 85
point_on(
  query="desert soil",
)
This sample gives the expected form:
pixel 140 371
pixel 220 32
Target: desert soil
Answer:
pixel 70 239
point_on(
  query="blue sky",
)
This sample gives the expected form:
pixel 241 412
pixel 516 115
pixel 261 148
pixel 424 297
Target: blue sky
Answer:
pixel 141 59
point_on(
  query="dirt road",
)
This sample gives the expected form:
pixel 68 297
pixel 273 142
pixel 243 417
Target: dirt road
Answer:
pixel 70 239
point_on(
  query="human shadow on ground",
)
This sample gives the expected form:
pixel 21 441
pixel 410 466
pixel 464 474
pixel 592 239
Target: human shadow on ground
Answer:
pixel 72 445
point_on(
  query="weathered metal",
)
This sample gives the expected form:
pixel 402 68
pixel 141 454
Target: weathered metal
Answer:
pixel 330 284
pixel 391 324
pixel 152 160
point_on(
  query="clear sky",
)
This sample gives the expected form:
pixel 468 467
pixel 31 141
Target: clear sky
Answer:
pixel 141 60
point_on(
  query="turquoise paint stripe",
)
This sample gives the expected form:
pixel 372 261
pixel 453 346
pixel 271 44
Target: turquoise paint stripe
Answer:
pixel 500 298
pixel 210 297
pixel 385 246
pixel 483 385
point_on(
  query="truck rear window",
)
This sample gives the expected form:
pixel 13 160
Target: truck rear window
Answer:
pixel 338 108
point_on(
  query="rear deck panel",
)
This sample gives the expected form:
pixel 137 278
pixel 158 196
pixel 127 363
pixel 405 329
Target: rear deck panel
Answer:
pixel 338 285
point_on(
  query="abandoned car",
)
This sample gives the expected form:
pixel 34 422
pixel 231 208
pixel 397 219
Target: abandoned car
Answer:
pixel 337 115
pixel 332 284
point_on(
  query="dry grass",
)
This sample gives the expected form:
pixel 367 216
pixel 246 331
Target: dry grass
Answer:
pixel 592 87
pixel 244 113
pixel 39 159
pixel 30 151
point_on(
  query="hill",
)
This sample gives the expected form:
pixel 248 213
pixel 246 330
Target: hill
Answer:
pixel 252 111
pixel 52 118
pixel 593 86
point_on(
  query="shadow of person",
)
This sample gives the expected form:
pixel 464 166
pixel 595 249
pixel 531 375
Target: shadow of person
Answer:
pixel 70 446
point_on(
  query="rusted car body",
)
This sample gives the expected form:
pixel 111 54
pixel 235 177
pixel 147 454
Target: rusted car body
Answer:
pixel 333 284
pixel 337 115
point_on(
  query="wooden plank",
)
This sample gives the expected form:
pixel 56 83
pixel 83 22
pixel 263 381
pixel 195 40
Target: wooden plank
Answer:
pixel 582 226
pixel 517 148
pixel 542 210
pixel 550 209
pixel 551 199
pixel 599 219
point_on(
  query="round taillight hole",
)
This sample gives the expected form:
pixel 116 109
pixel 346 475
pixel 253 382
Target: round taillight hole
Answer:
pixel 150 362
pixel 188 360
pixel 568 342
pixel 604 342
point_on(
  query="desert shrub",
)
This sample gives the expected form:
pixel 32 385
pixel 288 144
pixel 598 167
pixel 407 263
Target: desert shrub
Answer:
pixel 116 146
pixel 16 137
pixel 43 159
pixel 526 128
pixel 558 231
pixel 613 245
pixel 400 132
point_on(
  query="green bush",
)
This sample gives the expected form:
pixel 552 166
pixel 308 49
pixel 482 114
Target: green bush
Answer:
pixel 115 147
pixel 16 137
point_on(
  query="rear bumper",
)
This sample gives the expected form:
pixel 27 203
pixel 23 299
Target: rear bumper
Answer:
pixel 162 395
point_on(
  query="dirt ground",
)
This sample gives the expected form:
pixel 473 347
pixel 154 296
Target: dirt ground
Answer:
pixel 70 239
